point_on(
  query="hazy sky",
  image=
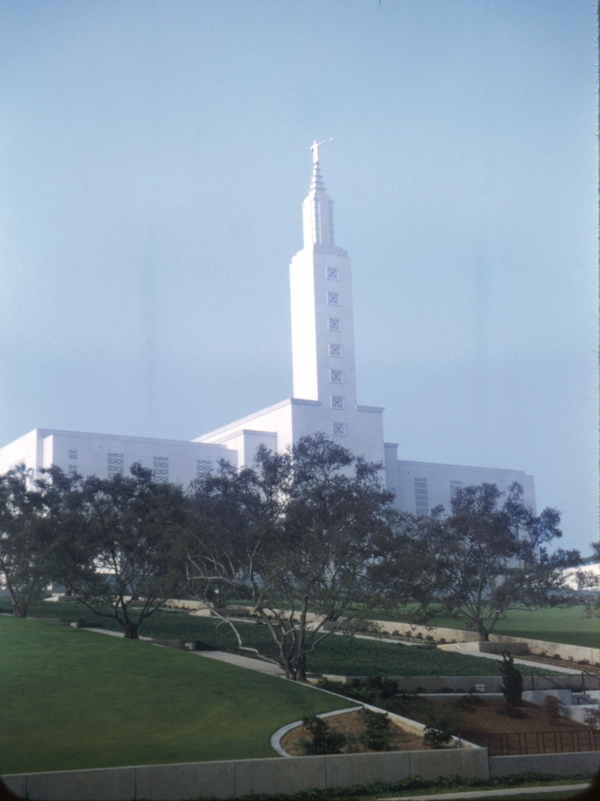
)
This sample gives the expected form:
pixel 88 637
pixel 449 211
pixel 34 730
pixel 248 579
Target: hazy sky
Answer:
pixel 154 158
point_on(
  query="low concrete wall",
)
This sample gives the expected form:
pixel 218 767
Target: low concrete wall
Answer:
pixel 560 764
pixel 463 684
pixel 244 777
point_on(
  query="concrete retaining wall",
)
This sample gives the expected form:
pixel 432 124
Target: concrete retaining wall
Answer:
pixel 560 764
pixel 243 777
pixel 463 684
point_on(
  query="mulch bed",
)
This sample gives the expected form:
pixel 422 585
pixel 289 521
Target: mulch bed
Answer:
pixel 485 724
pixel 352 723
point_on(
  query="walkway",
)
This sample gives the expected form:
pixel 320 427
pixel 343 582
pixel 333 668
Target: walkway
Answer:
pixel 243 661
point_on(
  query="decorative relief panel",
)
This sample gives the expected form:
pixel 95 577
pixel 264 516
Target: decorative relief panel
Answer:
pixel 203 467
pixel 334 324
pixel 337 402
pixel 421 496
pixel 115 464
pixel 160 468
pixel 333 274
pixel 339 429
pixel 454 487
pixel 335 350
pixel 336 376
pixel 72 454
pixel 334 298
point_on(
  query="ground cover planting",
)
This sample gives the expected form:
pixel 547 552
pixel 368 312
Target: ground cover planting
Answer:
pixel 567 625
pixel 415 786
pixel 73 699
pixel 338 655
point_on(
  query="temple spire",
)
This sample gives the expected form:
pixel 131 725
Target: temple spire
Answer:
pixel 317 209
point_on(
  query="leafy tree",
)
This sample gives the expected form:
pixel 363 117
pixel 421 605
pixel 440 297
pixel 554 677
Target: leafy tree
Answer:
pixel 301 529
pixel 485 558
pixel 26 539
pixel 589 587
pixel 120 553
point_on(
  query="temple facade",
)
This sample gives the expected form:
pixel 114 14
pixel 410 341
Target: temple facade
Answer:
pixel 324 398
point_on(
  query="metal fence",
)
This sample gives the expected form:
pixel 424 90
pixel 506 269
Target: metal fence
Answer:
pixel 539 742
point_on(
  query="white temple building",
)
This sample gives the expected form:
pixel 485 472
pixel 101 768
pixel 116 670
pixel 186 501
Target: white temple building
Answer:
pixel 324 398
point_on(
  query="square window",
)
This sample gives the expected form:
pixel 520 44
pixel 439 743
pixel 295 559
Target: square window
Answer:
pixel 337 402
pixel 335 350
pixel 334 299
pixel 333 274
pixel 339 429
pixel 72 454
pixel 335 324
pixel 336 376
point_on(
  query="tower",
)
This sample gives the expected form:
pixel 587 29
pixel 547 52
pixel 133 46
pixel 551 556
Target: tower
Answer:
pixel 321 306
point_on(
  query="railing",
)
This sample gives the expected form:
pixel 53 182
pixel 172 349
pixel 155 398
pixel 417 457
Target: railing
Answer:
pixel 538 742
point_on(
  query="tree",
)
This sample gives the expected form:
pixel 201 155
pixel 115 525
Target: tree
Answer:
pixel 121 547
pixel 26 539
pixel 589 586
pixel 301 529
pixel 512 689
pixel 486 558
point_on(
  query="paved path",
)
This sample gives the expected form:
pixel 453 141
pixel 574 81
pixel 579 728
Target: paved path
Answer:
pixel 574 788
pixel 243 661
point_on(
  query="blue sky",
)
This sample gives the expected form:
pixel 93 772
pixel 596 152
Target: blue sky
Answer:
pixel 154 157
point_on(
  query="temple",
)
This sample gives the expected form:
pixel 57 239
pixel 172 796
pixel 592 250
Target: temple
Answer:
pixel 324 397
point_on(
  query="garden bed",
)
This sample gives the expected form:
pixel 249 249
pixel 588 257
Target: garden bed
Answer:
pixel 352 725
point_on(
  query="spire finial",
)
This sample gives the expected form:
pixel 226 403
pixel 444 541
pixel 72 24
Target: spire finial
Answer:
pixel 315 148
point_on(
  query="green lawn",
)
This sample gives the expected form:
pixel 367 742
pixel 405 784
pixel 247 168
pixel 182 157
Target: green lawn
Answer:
pixel 567 625
pixel 336 655
pixel 74 699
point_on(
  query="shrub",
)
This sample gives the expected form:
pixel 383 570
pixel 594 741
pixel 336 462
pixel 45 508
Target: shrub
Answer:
pixel 583 661
pixel 553 707
pixel 323 740
pixel 592 718
pixel 514 711
pixel 445 689
pixel 376 735
pixel 437 735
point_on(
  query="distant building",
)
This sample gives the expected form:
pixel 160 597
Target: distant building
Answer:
pixel 324 399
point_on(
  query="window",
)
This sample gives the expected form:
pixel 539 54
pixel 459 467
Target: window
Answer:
pixel 203 467
pixel 335 324
pixel 336 376
pixel 454 487
pixel 72 454
pixel 339 429
pixel 337 402
pixel 333 274
pixel 115 464
pixel 160 468
pixel 421 497
pixel 335 350
pixel 333 298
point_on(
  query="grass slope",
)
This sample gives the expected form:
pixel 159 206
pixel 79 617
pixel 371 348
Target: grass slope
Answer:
pixel 346 656
pixel 568 625
pixel 73 699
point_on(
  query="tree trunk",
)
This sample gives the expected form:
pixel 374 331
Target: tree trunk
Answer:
pixel 19 611
pixel 131 634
